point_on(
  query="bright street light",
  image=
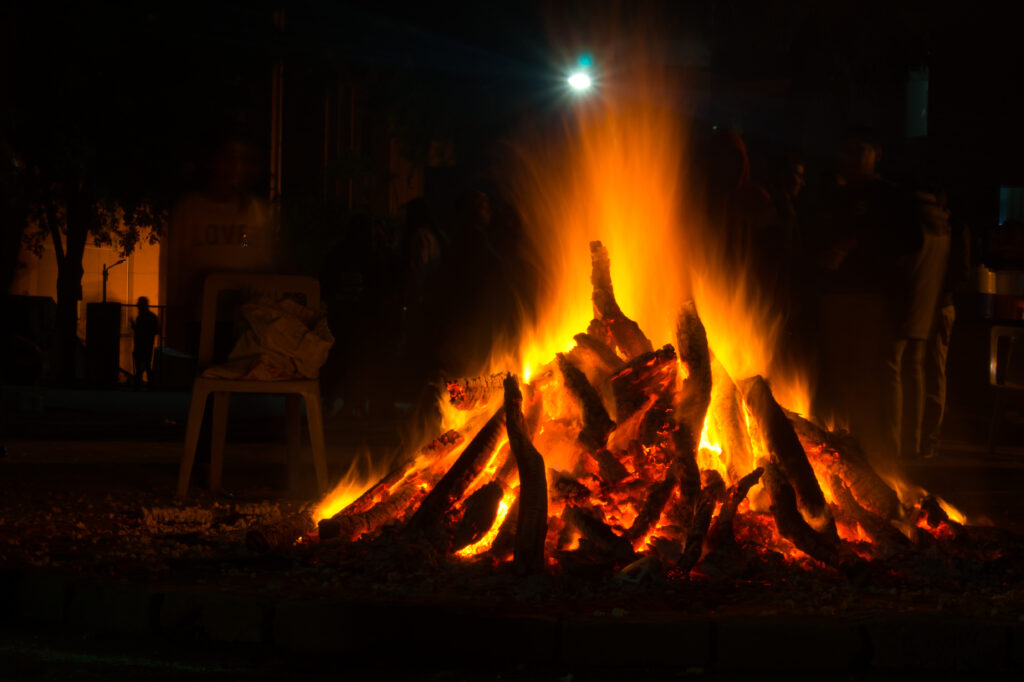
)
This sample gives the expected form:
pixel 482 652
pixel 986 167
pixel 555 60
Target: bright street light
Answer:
pixel 580 81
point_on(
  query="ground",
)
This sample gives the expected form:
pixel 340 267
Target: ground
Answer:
pixel 105 575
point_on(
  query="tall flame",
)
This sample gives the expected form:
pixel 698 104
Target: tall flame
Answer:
pixel 618 173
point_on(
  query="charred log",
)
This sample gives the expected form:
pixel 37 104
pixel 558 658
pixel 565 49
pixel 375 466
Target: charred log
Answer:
pixel 787 453
pixel 430 515
pixel 532 524
pixel 687 473
pixel 698 530
pixel 720 537
pixel 711 481
pixel 596 422
pixel 349 527
pixel 692 347
pixel 791 525
pixel 568 489
pixel 610 469
pixel 936 517
pixel 472 392
pixel 481 510
pixel 438 447
pixel 841 456
pixel 654 505
pixel 381 504
pixel 657 423
pixel 652 373
pixel 280 535
pixel 625 333
pixel 886 536
pixel 596 535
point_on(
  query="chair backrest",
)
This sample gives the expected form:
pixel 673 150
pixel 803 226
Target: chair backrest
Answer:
pixel 1005 360
pixel 252 283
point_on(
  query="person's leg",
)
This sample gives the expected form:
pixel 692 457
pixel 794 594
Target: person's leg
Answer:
pixel 936 355
pixel 892 405
pixel 913 389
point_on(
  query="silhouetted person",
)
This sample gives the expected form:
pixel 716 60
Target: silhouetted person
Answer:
pixel 937 345
pixel 226 226
pixel 738 209
pixel 145 328
pixel 862 233
pixel 921 275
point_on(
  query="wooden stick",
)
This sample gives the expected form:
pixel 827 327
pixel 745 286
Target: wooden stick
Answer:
pixel 623 331
pixel 786 453
pixel 596 422
pixel 791 524
pixel 472 392
pixel 532 523
pixel 692 347
pixel 841 456
pixel 435 506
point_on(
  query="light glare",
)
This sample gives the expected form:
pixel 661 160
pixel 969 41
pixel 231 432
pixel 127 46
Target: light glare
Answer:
pixel 579 81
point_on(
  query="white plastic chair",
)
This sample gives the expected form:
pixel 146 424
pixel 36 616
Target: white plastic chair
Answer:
pixel 296 389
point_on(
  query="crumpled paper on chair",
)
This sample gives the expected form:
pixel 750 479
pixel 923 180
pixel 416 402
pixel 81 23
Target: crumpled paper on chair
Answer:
pixel 285 340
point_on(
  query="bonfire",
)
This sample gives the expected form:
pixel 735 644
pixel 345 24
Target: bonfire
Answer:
pixel 663 461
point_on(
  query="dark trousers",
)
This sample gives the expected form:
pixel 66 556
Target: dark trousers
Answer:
pixel 936 355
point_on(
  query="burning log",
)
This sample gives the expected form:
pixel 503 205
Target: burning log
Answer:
pixel 886 536
pixel 654 505
pixel 473 392
pixel 610 469
pixel 728 421
pixel 429 516
pixel 791 525
pixel 936 517
pixel 698 530
pixel 688 473
pixel 786 453
pixel 841 456
pixel 481 510
pixel 568 489
pixel 720 537
pixel 532 522
pixel 598 535
pixel 652 373
pixel 380 504
pixel 505 541
pixel 656 423
pixel 594 358
pixel 692 346
pixel 711 481
pixel 351 527
pixel 624 332
pixel 596 422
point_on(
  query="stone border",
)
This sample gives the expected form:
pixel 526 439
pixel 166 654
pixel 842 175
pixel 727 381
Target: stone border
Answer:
pixel 311 628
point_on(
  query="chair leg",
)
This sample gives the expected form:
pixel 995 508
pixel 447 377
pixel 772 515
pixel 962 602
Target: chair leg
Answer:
pixel 315 417
pixel 195 423
pixel 221 400
pixel 293 428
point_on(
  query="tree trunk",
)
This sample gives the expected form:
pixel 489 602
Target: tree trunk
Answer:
pixel 80 215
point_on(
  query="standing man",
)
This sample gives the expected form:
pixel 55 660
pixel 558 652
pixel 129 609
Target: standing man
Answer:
pixel 145 328
pixel 937 346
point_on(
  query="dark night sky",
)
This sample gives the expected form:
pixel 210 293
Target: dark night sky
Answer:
pixel 176 66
